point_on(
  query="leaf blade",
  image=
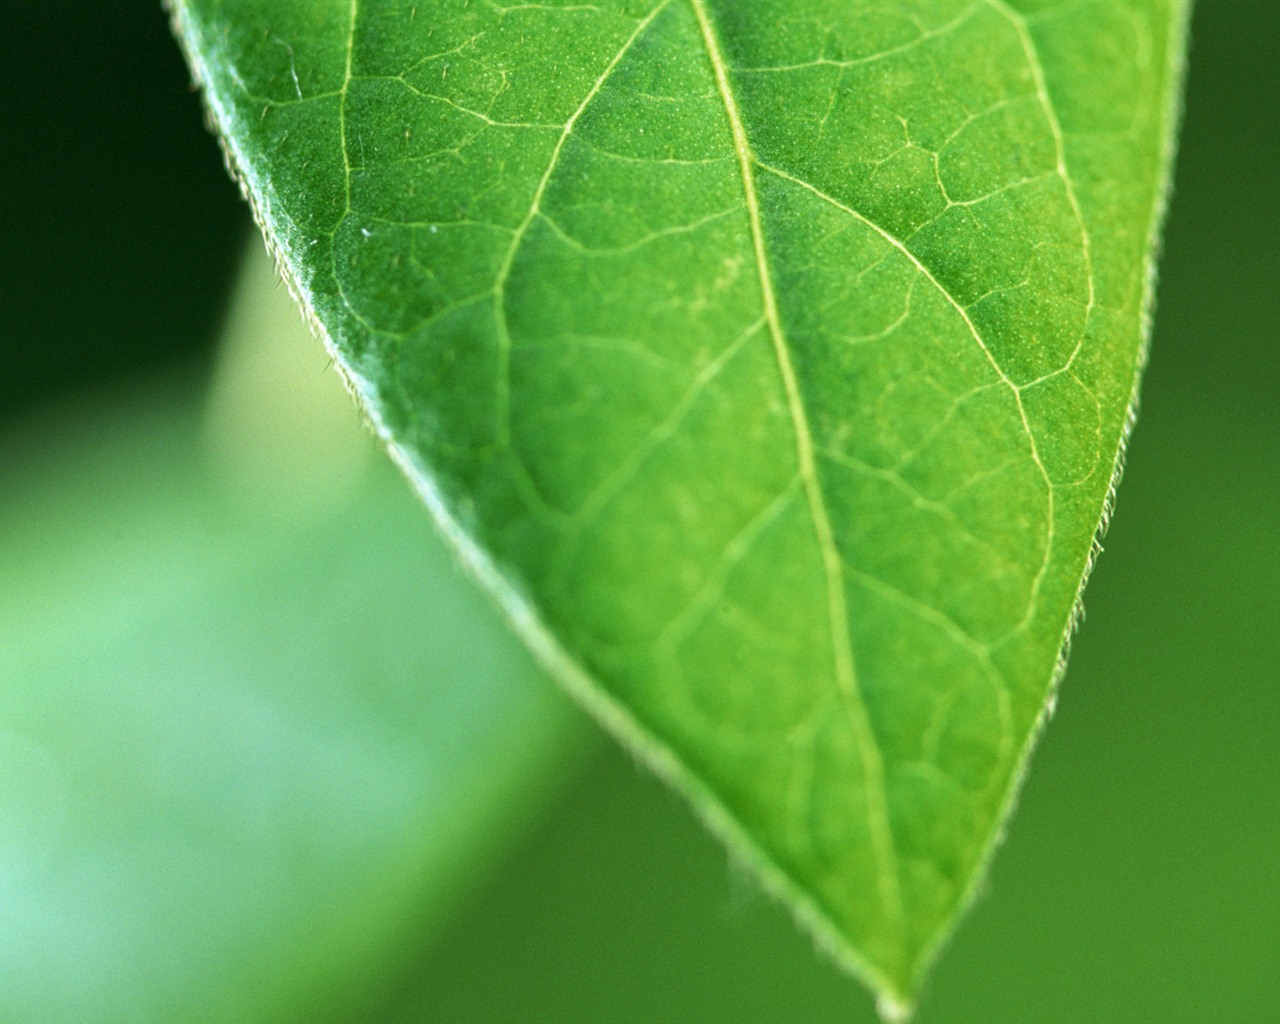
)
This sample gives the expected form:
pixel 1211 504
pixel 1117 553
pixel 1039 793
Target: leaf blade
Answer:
pixel 618 340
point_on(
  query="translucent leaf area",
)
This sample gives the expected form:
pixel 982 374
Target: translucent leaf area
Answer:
pixel 771 361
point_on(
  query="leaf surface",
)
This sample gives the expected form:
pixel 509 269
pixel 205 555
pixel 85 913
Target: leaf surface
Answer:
pixel 770 361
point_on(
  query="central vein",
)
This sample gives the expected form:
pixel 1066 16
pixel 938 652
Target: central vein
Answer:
pixel 842 648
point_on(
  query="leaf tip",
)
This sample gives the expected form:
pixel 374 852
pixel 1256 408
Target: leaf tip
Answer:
pixel 893 1009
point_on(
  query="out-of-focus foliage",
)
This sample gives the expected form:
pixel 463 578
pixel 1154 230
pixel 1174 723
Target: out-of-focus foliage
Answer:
pixel 255 726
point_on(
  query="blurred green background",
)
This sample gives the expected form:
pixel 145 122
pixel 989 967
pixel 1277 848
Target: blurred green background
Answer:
pixel 265 755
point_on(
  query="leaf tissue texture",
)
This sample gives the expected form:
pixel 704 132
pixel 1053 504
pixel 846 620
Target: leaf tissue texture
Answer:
pixel 770 361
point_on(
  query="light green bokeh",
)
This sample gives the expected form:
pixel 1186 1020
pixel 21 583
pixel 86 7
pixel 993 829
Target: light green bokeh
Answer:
pixel 257 731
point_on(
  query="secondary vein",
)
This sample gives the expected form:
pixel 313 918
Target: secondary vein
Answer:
pixel 342 106
pixel 535 207
pixel 845 672
pixel 1014 389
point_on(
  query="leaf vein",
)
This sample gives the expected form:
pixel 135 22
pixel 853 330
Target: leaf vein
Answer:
pixel 1014 389
pixel 869 751
pixel 535 207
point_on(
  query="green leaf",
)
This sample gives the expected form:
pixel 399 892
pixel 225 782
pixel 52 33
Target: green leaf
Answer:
pixel 257 731
pixel 771 362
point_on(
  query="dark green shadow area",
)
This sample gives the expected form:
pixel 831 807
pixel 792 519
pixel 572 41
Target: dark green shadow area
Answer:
pixel 121 228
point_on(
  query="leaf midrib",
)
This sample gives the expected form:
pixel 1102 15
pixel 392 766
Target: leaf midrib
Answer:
pixel 846 678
